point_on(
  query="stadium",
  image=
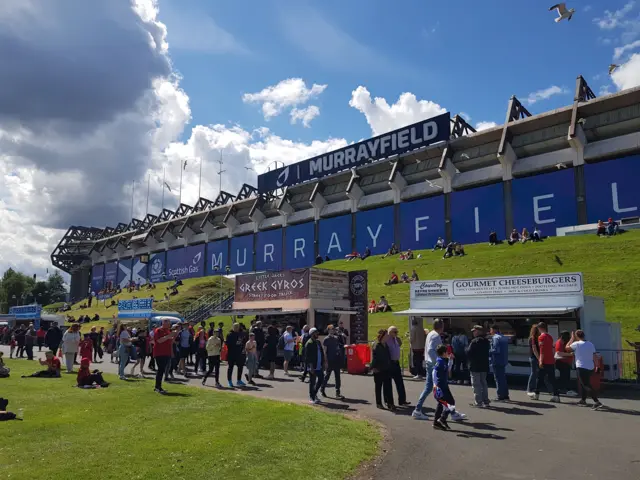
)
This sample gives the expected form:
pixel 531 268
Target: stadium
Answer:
pixel 437 178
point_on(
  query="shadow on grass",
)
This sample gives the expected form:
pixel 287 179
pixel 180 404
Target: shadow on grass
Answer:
pixel 176 394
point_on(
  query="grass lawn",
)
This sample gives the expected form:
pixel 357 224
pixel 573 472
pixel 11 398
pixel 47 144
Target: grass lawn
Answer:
pixel 611 268
pixel 129 432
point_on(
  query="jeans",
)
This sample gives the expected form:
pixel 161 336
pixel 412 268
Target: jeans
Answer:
pixel 123 353
pixel 252 361
pixel 336 371
pixel 564 379
pixel 315 382
pixel 533 376
pixel 428 387
pixel 584 376
pixel 418 360
pixel 396 375
pixel 382 382
pixel 480 388
pixel 547 375
pixel 68 360
pixel 500 375
pixel 214 365
pixel 161 363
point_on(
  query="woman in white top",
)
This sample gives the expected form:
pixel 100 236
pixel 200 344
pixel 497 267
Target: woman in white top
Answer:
pixel 71 345
pixel 124 338
pixel 585 355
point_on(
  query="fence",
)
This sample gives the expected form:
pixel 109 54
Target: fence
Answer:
pixel 628 362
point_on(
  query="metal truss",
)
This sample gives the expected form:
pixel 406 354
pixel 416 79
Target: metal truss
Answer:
pixel 74 247
pixel 247 191
pixel 460 127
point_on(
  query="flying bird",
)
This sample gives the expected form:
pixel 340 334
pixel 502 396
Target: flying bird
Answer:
pixel 563 13
pixel 167 185
pixel 560 165
pixel 185 165
pixel 613 67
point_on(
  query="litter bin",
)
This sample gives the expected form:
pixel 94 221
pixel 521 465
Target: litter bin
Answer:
pixel 358 356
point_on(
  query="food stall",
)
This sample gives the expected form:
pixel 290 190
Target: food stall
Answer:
pixel 139 312
pixel 31 314
pixel 516 303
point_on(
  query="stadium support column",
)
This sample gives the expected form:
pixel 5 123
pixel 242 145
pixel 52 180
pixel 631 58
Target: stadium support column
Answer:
pixel 507 158
pixel 318 202
pixel 79 287
pixel 354 193
pixel 578 140
pixel 447 172
pixel 397 183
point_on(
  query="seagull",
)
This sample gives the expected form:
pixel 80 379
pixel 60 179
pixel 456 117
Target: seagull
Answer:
pixel 581 121
pixel 563 13
pixel 560 165
pixel 185 165
pixel 613 67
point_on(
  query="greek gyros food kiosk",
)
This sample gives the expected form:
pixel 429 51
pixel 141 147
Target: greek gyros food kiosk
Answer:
pixel 516 303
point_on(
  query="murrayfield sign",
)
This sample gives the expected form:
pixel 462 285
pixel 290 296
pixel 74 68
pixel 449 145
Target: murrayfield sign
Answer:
pixel 397 142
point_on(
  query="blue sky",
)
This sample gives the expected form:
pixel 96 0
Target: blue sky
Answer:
pixel 467 57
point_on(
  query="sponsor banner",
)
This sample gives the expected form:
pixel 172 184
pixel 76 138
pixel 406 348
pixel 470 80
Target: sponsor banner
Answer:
pixel 477 212
pixel 334 237
pixel 110 274
pixel 241 254
pixel 397 142
pixel 516 286
pixel 156 268
pixel 374 229
pixel 545 201
pixel 299 246
pixel 612 190
pixel 287 285
pixel 358 298
pixel 124 272
pixel 135 304
pixel 269 250
pixel 186 262
pixel 139 271
pixel 26 312
pixel 217 257
pixel 97 278
pixel 332 284
pixel 421 223
pixel 104 296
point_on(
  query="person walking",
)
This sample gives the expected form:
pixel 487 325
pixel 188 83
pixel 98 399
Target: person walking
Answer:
pixel 251 350
pixel 316 361
pixel 288 347
pixel 441 391
pixel 585 355
pixel 547 365
pixel 184 339
pixel 334 353
pixel 381 366
pixel 478 356
pixel 163 338
pixel 534 359
pixel 71 345
pixel 141 345
pixel 235 355
pixel 417 340
pixel 434 340
pixel 394 343
pixel 499 360
pixel 564 360
pixel 201 353
pixel 53 338
pixel 124 350
pixel 305 338
pixel 20 335
pixel 258 333
pixel 29 341
pixel 271 348
pixel 459 344
pixel 214 347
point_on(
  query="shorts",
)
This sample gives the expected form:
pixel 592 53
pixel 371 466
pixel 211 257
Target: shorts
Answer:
pixel 288 355
pixel 185 352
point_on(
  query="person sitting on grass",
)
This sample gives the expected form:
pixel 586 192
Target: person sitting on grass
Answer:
pixel 459 250
pixel 352 256
pixel 493 238
pixel 439 244
pixel 373 306
pixel 612 227
pixel 86 378
pixel 393 280
pixel 4 370
pixel 367 253
pixel 536 236
pixel 53 367
pixel 524 236
pixel 383 305
pixel 414 276
pixel 514 237
pixel 449 250
pixel 404 278
pixel 392 251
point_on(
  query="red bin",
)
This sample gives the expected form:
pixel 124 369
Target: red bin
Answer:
pixel 358 356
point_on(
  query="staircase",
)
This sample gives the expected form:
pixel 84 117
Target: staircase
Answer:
pixel 201 308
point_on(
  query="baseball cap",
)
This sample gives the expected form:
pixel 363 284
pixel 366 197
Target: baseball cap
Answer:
pixel 313 330
pixel 477 327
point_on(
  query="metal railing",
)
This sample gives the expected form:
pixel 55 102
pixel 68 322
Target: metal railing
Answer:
pixel 627 361
pixel 201 308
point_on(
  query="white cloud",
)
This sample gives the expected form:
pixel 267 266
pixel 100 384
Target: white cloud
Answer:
pixel 618 52
pixel 604 90
pixel 466 116
pixel 587 8
pixel 485 125
pixel 305 115
pixel 544 94
pixel 628 74
pixel 287 93
pixel 383 117
pixel 614 19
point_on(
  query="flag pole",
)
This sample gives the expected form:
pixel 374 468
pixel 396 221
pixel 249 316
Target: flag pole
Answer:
pixel 163 182
pixel 181 168
pixel 148 187
pixel 200 181
pixel 133 189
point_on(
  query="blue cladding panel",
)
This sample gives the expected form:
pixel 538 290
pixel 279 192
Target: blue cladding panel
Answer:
pixel 421 223
pixel 217 255
pixel 139 272
pixel 269 250
pixel 111 273
pixel 299 246
pixel 124 272
pixel 612 189
pixel 334 237
pixel 374 229
pixel 97 278
pixel 186 262
pixel 475 212
pixel 547 201
pixel 157 266
pixel 241 254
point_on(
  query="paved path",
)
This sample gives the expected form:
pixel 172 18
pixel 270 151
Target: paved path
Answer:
pixel 520 440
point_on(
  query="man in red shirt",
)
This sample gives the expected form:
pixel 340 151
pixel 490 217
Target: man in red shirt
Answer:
pixel 40 337
pixel 53 367
pixel 163 339
pixel 547 364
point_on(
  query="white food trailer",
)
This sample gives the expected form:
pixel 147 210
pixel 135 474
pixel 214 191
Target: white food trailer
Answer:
pixel 516 303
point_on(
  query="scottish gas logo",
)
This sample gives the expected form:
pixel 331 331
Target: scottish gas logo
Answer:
pixel 397 142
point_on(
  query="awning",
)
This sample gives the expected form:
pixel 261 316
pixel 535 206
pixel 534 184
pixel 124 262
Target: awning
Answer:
pixel 337 312
pixel 254 312
pixel 486 312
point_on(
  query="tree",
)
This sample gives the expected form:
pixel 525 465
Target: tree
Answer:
pixel 56 287
pixel 14 288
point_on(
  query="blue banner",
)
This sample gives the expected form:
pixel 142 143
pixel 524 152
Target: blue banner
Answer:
pixel 241 254
pixel 97 278
pixel 186 262
pixel 139 272
pixel 110 274
pixel 26 312
pixel 124 272
pixel 612 190
pixel 104 296
pixel 145 304
pixel 476 212
pixel 418 135
pixel 421 223
pixel 545 201
pixel 269 250
pixel 157 267
pixel 299 245
pixel 334 237
pixel 375 229
pixel 217 256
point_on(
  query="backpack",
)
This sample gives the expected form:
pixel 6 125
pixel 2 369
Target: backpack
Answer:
pixel 281 342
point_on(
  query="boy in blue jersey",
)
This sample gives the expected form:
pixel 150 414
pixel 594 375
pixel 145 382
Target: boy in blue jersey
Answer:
pixel 441 392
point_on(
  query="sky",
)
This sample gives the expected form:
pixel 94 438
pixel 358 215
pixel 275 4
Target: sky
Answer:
pixel 102 102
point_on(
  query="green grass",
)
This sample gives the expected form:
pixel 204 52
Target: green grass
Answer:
pixel 611 268
pixel 128 432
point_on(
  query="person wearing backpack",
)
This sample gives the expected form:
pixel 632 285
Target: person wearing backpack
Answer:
pixel 288 346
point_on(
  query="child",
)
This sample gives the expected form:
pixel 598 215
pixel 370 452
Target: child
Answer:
pixel 86 378
pixel 252 358
pixel 441 392
pixel 53 367
pixel 86 347
pixel 4 370
pixel 13 346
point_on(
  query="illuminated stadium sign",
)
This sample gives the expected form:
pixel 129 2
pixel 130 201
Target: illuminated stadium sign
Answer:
pixel 421 134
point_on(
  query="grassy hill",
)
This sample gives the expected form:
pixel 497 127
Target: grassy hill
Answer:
pixel 611 268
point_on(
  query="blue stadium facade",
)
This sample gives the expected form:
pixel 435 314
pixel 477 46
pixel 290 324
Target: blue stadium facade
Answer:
pixel 438 178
